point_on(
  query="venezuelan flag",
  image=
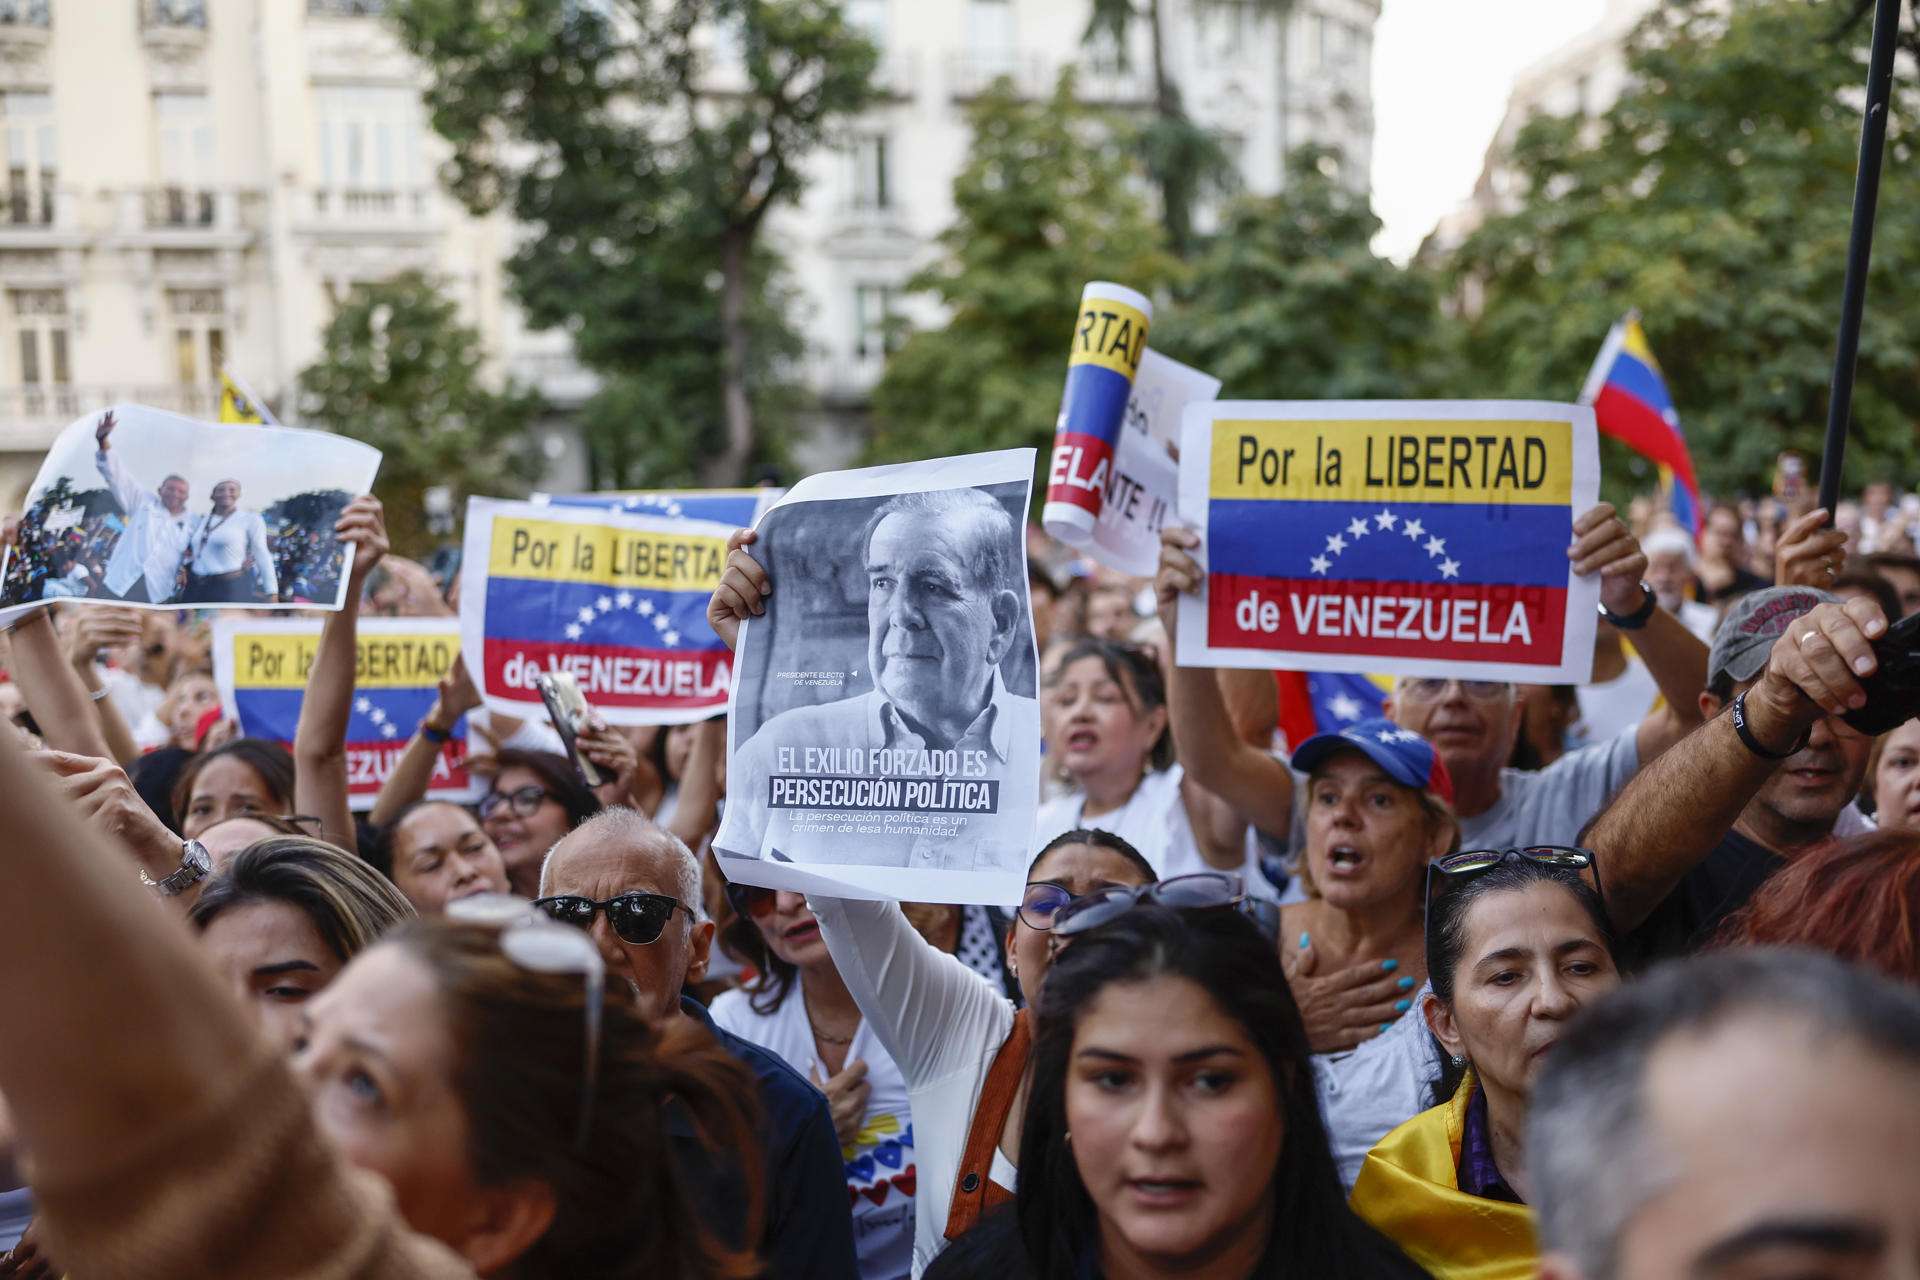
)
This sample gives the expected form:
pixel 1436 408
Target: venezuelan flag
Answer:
pixel 262 669
pixel 1427 538
pixel 1316 702
pixel 620 601
pixel 737 508
pixel 1631 403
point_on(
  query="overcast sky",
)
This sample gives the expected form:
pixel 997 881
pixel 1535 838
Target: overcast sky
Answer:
pixel 1441 72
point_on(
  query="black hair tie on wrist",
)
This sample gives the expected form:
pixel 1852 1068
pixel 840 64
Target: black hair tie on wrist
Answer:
pixel 1752 743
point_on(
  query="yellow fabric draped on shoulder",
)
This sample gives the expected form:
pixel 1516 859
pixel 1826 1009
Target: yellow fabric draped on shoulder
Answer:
pixel 1409 1189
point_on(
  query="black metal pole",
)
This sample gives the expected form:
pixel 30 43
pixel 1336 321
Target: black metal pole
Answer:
pixel 1866 197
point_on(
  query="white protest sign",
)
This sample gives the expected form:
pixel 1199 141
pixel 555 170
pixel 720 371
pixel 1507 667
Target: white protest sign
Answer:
pixel 1144 487
pixel 884 725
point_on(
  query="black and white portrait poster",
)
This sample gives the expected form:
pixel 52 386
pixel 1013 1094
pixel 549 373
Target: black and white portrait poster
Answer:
pixel 884 724
pixel 133 506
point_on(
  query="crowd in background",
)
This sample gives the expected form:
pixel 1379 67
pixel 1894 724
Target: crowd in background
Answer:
pixel 1266 1007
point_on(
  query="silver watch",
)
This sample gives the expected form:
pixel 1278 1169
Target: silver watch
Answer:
pixel 196 864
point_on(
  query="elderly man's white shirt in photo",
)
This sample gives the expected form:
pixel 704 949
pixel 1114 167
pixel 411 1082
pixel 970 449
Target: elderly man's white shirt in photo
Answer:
pixel 221 545
pixel 154 539
pixel 870 722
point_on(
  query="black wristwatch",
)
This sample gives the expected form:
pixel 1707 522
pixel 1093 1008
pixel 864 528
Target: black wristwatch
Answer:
pixel 1638 618
pixel 196 864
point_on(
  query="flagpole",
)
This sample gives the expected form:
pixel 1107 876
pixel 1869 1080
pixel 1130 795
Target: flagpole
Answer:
pixel 1866 196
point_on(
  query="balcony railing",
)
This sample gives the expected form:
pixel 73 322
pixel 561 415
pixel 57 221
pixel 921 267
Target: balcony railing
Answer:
pixel 347 8
pixel 971 72
pixel 28 206
pixel 178 207
pixel 31 416
pixel 25 13
pixel 175 14
pixel 371 204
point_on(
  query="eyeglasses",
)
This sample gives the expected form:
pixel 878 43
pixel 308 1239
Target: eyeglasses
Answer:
pixel 635 918
pixel 537 945
pixel 1434 690
pixel 1200 891
pixel 750 901
pixel 525 801
pixel 1471 862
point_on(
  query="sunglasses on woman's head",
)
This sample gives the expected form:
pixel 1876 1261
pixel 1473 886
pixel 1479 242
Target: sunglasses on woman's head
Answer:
pixel 539 946
pixel 1472 862
pixel 636 918
pixel 1202 890
pixel 525 801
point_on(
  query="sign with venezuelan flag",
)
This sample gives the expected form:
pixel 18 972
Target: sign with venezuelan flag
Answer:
pixel 262 669
pixel 1398 537
pixel 737 508
pixel 618 600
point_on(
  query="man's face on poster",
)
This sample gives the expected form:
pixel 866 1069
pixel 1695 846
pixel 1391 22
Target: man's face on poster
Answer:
pixel 934 634
pixel 226 496
pixel 173 494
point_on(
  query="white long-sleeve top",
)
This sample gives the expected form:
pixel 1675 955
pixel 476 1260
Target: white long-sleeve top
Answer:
pixel 154 538
pixel 941 1023
pixel 221 545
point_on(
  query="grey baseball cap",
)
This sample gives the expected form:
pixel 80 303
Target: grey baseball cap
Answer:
pixel 1752 624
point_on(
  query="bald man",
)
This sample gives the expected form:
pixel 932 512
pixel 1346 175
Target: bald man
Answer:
pixel 636 889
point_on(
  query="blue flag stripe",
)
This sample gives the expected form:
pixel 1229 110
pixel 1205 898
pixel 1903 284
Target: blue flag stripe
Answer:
pixel 274 713
pixel 1507 543
pixel 530 609
pixel 1635 378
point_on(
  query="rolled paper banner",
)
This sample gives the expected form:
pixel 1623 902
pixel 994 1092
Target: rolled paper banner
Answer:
pixel 1109 336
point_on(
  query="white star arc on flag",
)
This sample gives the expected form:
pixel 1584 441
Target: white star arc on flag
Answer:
pixel 1435 547
pixel 623 602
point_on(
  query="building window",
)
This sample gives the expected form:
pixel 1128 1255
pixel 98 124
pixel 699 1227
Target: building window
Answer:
pixel 24 13
pixel 990 37
pixel 1226 33
pixel 369 138
pixel 873 316
pixel 199 334
pixel 40 343
pixel 176 13
pixel 31 158
pixel 872 176
pixel 183 144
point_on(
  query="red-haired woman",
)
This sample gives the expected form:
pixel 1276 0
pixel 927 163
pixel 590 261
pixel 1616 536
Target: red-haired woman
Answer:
pixel 1858 899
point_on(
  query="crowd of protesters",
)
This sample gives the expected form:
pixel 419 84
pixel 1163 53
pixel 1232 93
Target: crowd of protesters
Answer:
pixel 1501 981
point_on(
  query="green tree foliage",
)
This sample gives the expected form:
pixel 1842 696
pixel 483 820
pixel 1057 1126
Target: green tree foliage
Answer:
pixel 1288 301
pixel 645 172
pixel 398 370
pixel 1185 161
pixel 1048 200
pixel 1714 196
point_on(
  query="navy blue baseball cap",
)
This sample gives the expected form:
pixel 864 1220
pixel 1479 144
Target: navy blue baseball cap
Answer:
pixel 1405 755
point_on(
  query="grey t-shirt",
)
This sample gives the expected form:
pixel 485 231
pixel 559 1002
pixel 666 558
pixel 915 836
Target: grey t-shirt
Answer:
pixel 1549 806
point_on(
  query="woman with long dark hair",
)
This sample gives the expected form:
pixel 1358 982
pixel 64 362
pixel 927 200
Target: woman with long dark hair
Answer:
pixel 1517 943
pixel 1172 1127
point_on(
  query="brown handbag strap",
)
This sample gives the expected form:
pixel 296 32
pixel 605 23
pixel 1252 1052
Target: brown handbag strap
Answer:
pixel 974 1191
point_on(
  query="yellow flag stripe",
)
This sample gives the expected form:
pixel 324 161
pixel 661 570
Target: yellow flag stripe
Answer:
pixel 1424 460
pixel 559 551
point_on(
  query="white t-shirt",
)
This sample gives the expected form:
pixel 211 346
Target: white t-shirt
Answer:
pixel 881 1169
pixel 1154 821
pixel 1369 1092
pixel 1608 708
